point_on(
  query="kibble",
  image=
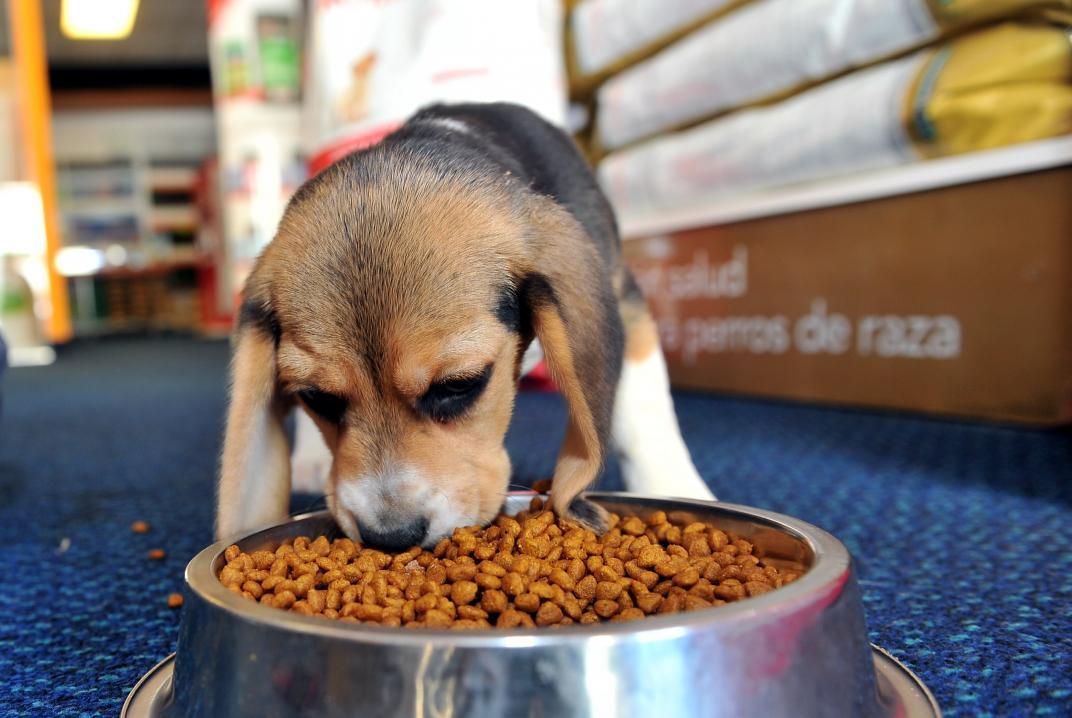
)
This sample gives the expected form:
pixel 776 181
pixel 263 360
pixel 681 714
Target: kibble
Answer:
pixel 533 569
pixel 139 527
pixel 157 554
pixel 174 600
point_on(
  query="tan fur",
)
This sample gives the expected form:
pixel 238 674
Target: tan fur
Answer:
pixel 641 333
pixel 581 455
pixel 382 287
pixel 580 283
pixel 425 315
pixel 254 424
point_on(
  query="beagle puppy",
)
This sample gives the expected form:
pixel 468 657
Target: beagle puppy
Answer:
pixel 395 304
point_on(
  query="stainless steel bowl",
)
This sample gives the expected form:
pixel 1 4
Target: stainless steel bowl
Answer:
pixel 799 651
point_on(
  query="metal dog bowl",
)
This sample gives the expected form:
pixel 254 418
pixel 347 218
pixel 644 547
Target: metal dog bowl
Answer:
pixel 798 651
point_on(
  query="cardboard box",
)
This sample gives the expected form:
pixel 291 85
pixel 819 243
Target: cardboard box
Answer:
pixel 955 301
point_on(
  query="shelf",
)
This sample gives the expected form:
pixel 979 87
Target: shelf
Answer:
pixel 904 179
pixel 157 268
pixel 172 178
pixel 131 182
pixel 152 269
pixel 99 208
pixel 173 218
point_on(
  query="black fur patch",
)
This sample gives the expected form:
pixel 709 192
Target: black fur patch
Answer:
pixel 590 515
pixel 327 406
pixel 516 303
pixel 508 309
pixel 630 289
pixel 539 155
pixel 536 289
pixel 448 400
pixel 255 315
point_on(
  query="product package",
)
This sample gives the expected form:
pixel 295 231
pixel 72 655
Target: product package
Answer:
pixel 1007 84
pixel 371 64
pixel 609 35
pixel 772 48
pixel 255 52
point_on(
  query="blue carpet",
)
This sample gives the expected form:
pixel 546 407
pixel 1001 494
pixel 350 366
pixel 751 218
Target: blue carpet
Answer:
pixel 123 430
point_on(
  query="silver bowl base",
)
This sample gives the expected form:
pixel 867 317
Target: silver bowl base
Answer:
pixel 896 684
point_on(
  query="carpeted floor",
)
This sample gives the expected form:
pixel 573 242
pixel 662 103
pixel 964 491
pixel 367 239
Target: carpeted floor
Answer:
pixel 961 533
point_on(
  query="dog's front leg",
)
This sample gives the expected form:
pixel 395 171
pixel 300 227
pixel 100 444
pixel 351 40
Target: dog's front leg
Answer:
pixel 311 460
pixel 653 455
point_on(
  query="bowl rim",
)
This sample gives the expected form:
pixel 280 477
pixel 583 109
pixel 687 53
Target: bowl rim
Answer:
pixel 825 579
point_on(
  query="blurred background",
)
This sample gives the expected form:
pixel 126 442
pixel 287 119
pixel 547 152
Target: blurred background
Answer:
pixel 852 219
pixel 849 202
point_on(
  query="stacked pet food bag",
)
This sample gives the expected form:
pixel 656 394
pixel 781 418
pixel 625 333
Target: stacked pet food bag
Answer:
pixel 706 103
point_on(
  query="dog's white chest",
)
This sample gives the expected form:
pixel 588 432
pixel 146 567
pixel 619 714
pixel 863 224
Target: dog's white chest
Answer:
pixel 532 356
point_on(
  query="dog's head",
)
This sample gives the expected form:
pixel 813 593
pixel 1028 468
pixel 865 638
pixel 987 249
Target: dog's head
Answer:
pixel 394 306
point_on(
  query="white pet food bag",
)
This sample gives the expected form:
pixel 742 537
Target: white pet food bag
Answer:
pixel 771 48
pixel 604 31
pixel 1002 85
pixel 373 63
pixel 849 125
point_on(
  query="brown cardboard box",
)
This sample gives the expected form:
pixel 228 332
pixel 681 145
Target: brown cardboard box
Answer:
pixel 955 301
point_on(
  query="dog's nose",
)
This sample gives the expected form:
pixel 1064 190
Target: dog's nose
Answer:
pixel 396 538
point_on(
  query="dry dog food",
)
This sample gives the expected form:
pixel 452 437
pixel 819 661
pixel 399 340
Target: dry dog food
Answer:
pixel 532 569
pixel 139 527
pixel 157 554
pixel 174 600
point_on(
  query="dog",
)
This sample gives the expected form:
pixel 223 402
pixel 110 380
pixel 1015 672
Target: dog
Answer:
pixel 395 304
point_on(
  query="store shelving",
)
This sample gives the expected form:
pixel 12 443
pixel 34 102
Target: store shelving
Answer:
pixel 128 184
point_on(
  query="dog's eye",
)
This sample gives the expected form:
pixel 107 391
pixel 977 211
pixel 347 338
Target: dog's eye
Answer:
pixel 327 406
pixel 449 399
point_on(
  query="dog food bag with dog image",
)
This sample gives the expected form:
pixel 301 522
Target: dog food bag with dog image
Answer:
pixel 773 48
pixel 372 64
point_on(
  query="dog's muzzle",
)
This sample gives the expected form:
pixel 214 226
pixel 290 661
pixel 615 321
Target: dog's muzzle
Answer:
pixel 396 538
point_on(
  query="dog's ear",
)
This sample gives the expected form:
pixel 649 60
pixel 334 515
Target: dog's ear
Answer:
pixel 254 487
pixel 571 305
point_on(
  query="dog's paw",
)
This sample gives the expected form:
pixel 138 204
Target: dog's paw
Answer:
pixel 589 515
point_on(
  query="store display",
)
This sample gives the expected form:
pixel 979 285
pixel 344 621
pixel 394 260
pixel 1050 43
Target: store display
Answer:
pixel 608 35
pixel 1009 84
pixel 919 301
pixel 255 49
pixel 772 48
pixel 373 64
pixel 125 190
pixel 255 52
pixel 20 327
pixel 1005 85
